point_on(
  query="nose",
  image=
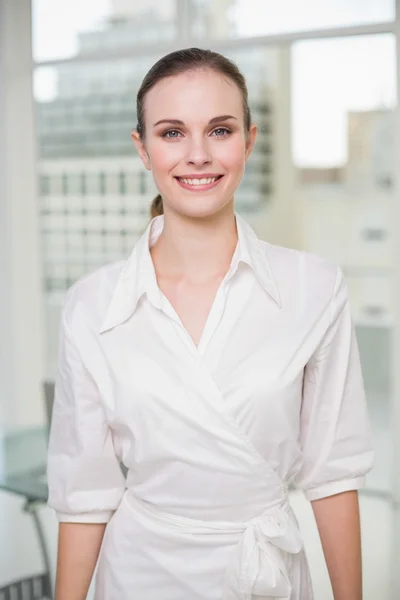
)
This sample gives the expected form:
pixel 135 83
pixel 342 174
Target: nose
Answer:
pixel 198 153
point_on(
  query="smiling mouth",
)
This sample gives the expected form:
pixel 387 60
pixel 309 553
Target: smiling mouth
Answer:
pixel 199 181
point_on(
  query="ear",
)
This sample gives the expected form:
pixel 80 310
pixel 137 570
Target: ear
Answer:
pixel 251 140
pixel 141 149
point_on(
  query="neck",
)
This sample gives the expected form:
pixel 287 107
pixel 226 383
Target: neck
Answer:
pixel 195 249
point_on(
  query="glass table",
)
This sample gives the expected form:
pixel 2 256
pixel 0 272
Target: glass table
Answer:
pixel 23 473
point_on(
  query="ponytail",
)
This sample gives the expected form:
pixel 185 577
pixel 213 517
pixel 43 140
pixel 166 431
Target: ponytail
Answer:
pixel 156 208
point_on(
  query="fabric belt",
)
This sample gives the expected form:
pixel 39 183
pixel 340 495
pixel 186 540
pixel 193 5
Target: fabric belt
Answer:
pixel 257 565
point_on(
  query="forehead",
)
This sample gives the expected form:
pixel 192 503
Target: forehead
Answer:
pixel 200 94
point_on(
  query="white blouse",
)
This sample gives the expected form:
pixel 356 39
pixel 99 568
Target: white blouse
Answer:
pixel 212 436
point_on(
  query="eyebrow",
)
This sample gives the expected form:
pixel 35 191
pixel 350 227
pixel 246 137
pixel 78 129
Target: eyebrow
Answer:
pixel 211 121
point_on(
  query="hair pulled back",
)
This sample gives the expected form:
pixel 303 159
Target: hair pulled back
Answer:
pixel 178 62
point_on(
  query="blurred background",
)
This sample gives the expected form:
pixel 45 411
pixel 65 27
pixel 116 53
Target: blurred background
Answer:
pixel 323 85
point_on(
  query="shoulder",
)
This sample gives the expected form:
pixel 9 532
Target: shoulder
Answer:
pixel 87 300
pixel 301 274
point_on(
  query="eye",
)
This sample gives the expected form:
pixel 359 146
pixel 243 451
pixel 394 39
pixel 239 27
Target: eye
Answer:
pixel 171 134
pixel 221 132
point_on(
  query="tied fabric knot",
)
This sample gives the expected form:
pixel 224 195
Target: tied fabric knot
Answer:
pixel 263 569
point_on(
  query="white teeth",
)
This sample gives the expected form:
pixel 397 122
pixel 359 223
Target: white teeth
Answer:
pixel 203 181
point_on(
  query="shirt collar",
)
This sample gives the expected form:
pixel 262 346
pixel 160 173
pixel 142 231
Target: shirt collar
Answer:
pixel 138 275
pixel 254 252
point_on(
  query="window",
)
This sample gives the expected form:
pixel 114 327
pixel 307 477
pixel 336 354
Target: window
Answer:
pixel 375 235
pixel 64 184
pixel 343 95
pixel 102 183
pixel 88 27
pixel 122 183
pixel 247 18
pixel 83 179
pixel 44 187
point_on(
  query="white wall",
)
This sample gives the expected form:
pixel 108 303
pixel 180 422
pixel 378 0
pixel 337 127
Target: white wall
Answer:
pixel 21 322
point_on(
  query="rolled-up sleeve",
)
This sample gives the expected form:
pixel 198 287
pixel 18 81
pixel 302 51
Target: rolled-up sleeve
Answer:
pixel 335 434
pixel 84 476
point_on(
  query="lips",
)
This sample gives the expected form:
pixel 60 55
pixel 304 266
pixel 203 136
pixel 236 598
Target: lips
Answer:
pixel 199 183
pixel 199 180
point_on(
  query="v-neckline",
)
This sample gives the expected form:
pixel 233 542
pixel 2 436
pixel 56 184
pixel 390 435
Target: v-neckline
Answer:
pixel 213 315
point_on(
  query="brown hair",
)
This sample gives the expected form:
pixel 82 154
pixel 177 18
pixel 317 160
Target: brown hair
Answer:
pixel 181 61
pixel 156 207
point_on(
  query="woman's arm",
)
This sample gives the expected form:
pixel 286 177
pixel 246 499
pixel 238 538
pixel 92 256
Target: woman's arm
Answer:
pixel 336 443
pixel 78 550
pixel 338 521
pixel 84 477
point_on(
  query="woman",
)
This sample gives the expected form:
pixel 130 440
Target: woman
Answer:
pixel 219 369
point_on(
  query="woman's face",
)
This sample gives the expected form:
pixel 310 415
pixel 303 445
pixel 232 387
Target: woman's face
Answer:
pixel 196 144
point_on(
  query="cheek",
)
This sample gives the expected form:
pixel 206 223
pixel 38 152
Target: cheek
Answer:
pixel 163 159
pixel 232 155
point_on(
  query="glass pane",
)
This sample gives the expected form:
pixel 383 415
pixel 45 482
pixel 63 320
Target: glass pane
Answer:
pixel 344 95
pixel 74 28
pixel 334 81
pixel 247 18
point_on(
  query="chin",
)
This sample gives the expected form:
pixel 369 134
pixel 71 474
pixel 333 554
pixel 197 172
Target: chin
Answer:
pixel 202 210
pixel 200 206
